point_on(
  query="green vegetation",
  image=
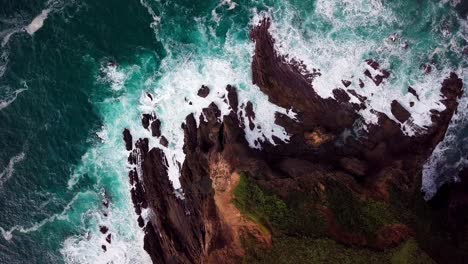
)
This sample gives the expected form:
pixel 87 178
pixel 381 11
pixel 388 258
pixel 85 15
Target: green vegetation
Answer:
pixel 430 225
pixel 266 210
pixel 409 253
pixel 361 216
pixel 270 212
pixel 324 250
pixel 297 227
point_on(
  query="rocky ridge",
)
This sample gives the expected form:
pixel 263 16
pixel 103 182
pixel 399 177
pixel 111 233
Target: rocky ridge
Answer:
pixel 325 153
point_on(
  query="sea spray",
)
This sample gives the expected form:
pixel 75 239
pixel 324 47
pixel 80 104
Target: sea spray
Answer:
pixel 168 49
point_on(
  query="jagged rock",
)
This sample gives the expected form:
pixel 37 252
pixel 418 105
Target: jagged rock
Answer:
pixel 341 95
pixel 146 119
pixel 232 97
pixel 250 114
pixel 399 112
pixel 193 230
pixel 103 229
pixel 128 139
pixel 141 222
pixel 273 75
pixel 354 166
pixel 413 92
pixel 156 128
pixel 377 79
pixel 204 91
pixel 346 83
pixel 163 141
pixel 361 84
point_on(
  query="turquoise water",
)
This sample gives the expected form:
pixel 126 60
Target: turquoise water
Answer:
pixel 64 103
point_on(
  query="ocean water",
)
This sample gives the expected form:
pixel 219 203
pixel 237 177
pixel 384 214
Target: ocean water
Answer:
pixel 74 74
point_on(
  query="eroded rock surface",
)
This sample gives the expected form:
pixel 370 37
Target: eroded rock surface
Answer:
pixel 323 150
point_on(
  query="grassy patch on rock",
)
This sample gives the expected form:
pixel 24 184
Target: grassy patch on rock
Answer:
pixel 356 215
pixel 298 229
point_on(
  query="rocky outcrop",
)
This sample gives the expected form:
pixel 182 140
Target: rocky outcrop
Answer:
pixel 203 91
pixel 399 112
pixel 202 227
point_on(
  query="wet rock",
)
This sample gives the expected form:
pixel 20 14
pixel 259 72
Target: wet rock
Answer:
pixel 250 114
pixel 399 112
pixel 346 83
pixel 133 177
pixel 452 200
pixel 145 120
pixel 361 84
pixel 142 145
pixel 103 229
pixel 156 128
pixel 286 85
pixel 149 96
pixel 413 92
pixel 377 79
pixel 141 222
pixel 132 158
pixel 341 95
pixel 232 97
pixel 163 141
pixel 128 139
pixel 190 230
pixel 204 91
pixel 426 68
pixel 359 97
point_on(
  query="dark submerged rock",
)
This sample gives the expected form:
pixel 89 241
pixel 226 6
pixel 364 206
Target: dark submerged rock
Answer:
pixel 400 113
pixel 156 128
pixel 204 91
pixel 413 92
pixel 145 120
pixel 103 229
pixel 128 139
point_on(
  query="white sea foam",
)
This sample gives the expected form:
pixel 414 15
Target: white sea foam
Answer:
pixel 228 3
pixel 8 234
pixel 37 22
pixel 126 247
pixel 103 135
pixel 5 36
pixel 112 75
pixel 3 62
pixel 156 18
pixel 450 155
pixel 175 97
pixel 344 58
pixel 11 98
pixel 15 25
pixel 104 163
pixel 173 92
pixel 6 174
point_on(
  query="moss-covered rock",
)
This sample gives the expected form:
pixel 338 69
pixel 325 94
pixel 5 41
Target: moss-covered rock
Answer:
pixel 299 229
